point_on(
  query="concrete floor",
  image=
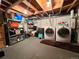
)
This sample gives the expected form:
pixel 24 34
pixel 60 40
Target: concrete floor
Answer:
pixel 32 49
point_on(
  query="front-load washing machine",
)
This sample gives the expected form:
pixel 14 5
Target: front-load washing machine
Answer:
pixel 63 34
pixel 49 33
pixel 63 29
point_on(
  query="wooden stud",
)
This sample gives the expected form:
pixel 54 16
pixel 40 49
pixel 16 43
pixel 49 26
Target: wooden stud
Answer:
pixel 29 5
pixel 61 8
pixel 19 1
pixel 67 5
pixel 2 10
pixel 7 2
pixel 72 5
pixel 3 5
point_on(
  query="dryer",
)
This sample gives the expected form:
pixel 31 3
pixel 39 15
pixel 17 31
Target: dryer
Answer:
pixel 49 33
pixel 63 34
pixel 63 29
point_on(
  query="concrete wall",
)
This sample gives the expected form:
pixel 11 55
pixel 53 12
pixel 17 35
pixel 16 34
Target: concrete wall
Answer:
pixel 43 22
pixel 51 21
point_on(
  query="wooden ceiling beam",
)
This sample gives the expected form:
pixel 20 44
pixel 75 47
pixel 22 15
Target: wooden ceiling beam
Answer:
pixel 42 14
pixel 3 5
pixel 37 16
pixel 7 2
pixel 71 5
pixel 2 10
pixel 18 12
pixel 46 13
pixel 29 5
pixel 53 4
pixel 35 4
pixel 19 1
pixel 61 8
pixel 67 6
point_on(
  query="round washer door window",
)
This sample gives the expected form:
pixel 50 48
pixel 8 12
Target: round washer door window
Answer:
pixel 49 31
pixel 63 32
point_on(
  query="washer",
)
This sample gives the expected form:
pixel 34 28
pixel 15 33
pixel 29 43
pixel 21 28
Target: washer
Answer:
pixel 63 34
pixel 49 33
pixel 63 29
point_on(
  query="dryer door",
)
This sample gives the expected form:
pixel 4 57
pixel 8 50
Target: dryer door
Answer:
pixel 49 32
pixel 63 32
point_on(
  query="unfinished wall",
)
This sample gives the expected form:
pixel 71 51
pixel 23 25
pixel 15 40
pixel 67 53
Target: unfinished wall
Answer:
pixel 50 21
pixel 2 34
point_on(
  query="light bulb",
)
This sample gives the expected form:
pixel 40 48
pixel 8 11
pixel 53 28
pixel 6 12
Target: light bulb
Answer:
pixel 25 12
pixel 48 3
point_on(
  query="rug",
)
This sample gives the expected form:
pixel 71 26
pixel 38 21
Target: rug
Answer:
pixel 66 46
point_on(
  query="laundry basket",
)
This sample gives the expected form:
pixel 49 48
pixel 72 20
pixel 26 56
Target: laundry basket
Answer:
pixel 40 35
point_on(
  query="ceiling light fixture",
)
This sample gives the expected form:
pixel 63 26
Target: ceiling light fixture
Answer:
pixel 48 3
pixel 25 12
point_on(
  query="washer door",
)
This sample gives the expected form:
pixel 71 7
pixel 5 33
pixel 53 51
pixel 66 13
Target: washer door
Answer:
pixel 49 31
pixel 63 32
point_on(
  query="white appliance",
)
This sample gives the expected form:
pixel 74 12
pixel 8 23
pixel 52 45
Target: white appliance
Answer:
pixel 63 34
pixel 49 29
pixel 63 29
pixel 49 33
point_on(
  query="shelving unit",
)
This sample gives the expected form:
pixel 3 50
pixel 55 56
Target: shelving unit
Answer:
pixel 17 37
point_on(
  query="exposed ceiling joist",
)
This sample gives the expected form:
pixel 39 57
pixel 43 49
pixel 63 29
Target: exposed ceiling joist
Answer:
pixel 35 4
pixel 52 12
pixel 42 15
pixel 67 5
pixel 18 12
pixel 38 15
pixel 66 2
pixel 7 2
pixel 3 2
pixel 45 12
pixel 2 10
pixel 16 3
pixel 61 7
pixel 71 5
pixel 26 7
pixel 3 5
pixel 29 5
pixel 53 4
